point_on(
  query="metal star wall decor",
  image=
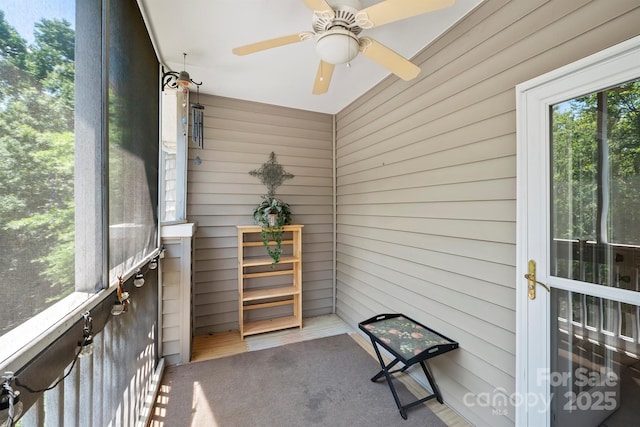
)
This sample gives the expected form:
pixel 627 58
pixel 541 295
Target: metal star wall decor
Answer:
pixel 271 174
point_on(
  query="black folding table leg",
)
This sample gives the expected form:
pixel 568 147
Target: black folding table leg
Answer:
pixel 431 380
pixel 381 373
pixel 385 371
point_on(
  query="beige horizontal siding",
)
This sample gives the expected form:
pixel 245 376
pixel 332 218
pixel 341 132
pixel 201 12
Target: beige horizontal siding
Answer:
pixel 171 319
pixel 239 136
pixel 426 177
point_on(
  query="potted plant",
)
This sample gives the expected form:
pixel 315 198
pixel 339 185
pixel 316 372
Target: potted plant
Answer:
pixel 272 213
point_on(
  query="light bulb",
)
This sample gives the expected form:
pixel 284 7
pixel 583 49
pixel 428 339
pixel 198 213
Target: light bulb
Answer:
pixel 117 308
pixel 337 46
pixel 153 264
pixel 138 281
pixel 183 79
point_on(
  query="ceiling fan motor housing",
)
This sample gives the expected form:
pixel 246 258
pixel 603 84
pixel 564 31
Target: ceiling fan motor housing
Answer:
pixel 338 42
pixel 337 46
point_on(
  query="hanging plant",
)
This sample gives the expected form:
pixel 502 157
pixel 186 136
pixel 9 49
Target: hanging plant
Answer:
pixel 272 213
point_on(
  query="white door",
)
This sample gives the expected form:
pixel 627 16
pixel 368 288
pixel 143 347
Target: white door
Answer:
pixel 578 281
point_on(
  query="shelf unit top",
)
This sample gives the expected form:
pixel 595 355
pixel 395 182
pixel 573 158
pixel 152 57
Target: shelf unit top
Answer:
pixel 257 228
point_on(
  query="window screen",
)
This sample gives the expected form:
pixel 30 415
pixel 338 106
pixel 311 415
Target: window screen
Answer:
pixel 37 67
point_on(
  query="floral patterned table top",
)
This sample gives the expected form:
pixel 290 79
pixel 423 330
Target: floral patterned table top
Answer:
pixel 405 336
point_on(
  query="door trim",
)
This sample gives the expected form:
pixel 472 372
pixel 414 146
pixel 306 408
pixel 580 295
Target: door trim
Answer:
pixel 611 66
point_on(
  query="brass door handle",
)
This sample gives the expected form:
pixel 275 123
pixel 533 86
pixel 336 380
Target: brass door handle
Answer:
pixel 531 279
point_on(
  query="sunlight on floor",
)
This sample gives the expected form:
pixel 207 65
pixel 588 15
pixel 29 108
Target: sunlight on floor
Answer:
pixel 160 407
pixel 202 414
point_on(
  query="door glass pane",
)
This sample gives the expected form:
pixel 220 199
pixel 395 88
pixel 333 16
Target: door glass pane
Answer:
pixel 595 238
pixel 595 188
pixel 595 370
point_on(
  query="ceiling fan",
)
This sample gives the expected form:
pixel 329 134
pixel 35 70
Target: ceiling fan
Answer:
pixel 336 27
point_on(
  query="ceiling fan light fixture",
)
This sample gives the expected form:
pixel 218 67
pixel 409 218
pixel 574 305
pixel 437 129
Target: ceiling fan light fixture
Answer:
pixel 337 46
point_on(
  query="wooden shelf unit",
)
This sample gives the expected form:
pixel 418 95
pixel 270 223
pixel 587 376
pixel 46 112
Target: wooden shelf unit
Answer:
pixel 254 266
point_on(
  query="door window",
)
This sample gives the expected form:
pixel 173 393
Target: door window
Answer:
pixel 595 194
pixel 595 238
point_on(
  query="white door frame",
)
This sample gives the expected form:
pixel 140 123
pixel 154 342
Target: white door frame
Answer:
pixel 604 69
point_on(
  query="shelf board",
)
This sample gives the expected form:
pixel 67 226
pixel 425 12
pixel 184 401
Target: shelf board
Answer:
pixel 267 274
pixel 258 294
pixel 253 262
pixel 261 243
pixel 260 305
pixel 268 325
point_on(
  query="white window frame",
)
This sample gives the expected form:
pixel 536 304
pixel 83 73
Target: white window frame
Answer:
pixel 175 127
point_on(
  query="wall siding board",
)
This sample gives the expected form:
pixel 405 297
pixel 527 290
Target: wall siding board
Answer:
pixel 501 253
pixel 232 141
pixel 362 295
pixel 429 123
pixel 502 232
pixel 422 142
pixel 238 115
pixel 223 160
pixel 499 168
pixel 239 135
pixel 256 107
pixel 503 210
pixel 426 192
pixel 409 287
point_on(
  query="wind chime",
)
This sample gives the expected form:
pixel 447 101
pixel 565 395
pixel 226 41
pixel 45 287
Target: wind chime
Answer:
pixel 197 125
pixel 182 81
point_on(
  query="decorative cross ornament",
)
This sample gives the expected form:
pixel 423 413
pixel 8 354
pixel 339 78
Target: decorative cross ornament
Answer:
pixel 271 174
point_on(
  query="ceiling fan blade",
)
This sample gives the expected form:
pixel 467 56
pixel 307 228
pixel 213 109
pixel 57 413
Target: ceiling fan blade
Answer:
pixel 395 10
pixel 323 78
pixel 321 7
pixel 389 59
pixel 271 43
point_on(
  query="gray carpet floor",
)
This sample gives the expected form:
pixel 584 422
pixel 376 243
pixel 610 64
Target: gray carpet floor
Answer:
pixel 321 382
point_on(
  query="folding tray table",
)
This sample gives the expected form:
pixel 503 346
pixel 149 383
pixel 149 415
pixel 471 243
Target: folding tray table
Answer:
pixel 409 342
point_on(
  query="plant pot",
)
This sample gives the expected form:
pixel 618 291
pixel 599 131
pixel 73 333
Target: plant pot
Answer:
pixel 273 220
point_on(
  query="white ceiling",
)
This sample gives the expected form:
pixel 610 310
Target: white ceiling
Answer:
pixel 207 30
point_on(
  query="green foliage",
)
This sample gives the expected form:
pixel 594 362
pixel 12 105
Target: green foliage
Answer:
pixel 577 169
pixel 272 232
pixel 37 162
pixel 12 47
